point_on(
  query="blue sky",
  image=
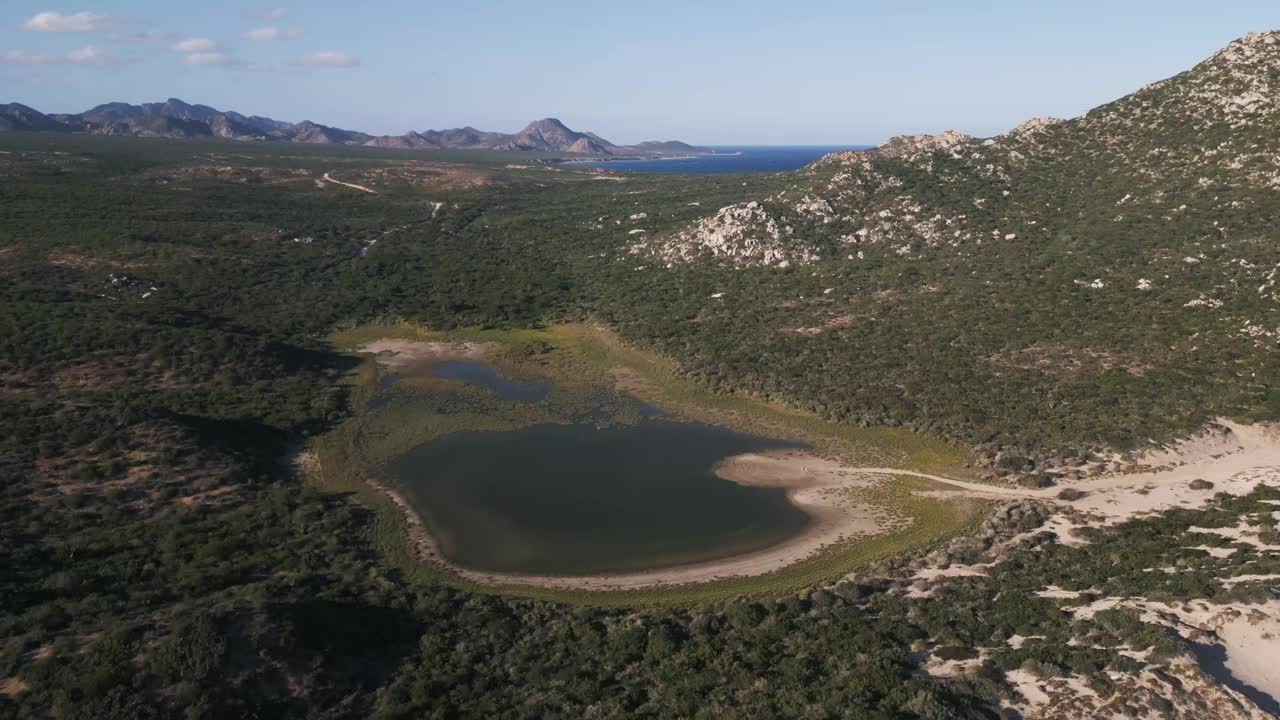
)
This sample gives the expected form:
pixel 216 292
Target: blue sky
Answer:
pixel 717 72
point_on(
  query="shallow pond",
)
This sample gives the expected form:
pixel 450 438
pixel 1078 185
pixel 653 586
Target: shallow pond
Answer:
pixel 576 499
pixel 474 373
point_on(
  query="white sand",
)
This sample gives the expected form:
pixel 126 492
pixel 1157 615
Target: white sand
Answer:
pixel 394 354
pixel 1248 633
pixel 1235 461
pixel 327 178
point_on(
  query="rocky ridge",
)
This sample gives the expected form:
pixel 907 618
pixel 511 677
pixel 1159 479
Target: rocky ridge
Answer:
pixel 179 120
pixel 1206 129
pixel 1172 190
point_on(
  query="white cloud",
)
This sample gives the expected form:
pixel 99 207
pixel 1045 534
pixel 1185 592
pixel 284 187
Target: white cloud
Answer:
pixel 196 45
pixel 207 58
pixel 330 59
pixel 53 21
pixel 88 56
pixel 271 33
pixel 26 57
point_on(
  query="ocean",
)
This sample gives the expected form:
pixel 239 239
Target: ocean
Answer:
pixel 759 158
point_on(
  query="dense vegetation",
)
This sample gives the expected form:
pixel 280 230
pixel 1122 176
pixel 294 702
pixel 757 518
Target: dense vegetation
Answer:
pixel 162 309
pixel 1072 285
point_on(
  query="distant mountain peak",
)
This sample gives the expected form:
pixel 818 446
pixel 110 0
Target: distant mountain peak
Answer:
pixel 176 118
pixel 550 134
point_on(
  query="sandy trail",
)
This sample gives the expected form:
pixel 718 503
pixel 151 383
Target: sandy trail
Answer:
pixel 327 178
pixel 1234 458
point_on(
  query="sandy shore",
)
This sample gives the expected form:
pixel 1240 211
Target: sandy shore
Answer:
pixel 395 354
pixel 1235 459
pixel 818 487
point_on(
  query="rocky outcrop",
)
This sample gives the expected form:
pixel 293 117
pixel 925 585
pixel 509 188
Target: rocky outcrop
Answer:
pixel 745 235
pixel 910 145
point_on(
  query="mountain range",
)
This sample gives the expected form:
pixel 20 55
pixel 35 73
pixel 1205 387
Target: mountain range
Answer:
pixel 177 119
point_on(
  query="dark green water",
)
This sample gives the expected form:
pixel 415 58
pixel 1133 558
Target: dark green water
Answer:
pixel 574 499
pixel 474 373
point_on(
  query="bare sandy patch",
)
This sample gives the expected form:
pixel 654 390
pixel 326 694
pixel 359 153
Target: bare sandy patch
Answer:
pixel 952 571
pixel 840 321
pixel 353 186
pixel 1233 669
pixel 1247 634
pixel 1071 697
pixel 1243 533
pixel 395 354
pixel 786 469
pixel 1215 552
pixel 207 497
pixel 82 261
pixel 1232 458
pixel 1060 360
pixel 630 382
pixel 823 489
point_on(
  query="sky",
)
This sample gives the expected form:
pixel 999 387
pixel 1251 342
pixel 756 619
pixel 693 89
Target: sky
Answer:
pixel 705 71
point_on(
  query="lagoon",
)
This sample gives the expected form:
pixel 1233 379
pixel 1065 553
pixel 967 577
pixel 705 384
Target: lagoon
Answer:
pixel 577 499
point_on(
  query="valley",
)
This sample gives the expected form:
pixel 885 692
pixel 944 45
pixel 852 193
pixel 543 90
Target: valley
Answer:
pixel 954 427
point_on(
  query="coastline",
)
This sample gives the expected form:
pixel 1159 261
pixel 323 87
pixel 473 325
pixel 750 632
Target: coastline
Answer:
pixel 646 158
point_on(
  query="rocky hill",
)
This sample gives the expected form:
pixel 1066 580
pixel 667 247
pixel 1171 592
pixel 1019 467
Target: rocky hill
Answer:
pixel 15 116
pixel 1125 263
pixel 177 119
pixel 1146 158
pixel 551 134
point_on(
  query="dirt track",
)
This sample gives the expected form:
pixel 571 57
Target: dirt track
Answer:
pixel 327 178
pixel 1234 458
pixel 1235 462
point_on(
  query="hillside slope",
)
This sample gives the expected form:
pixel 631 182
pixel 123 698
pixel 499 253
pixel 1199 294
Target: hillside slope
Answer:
pixel 1101 280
